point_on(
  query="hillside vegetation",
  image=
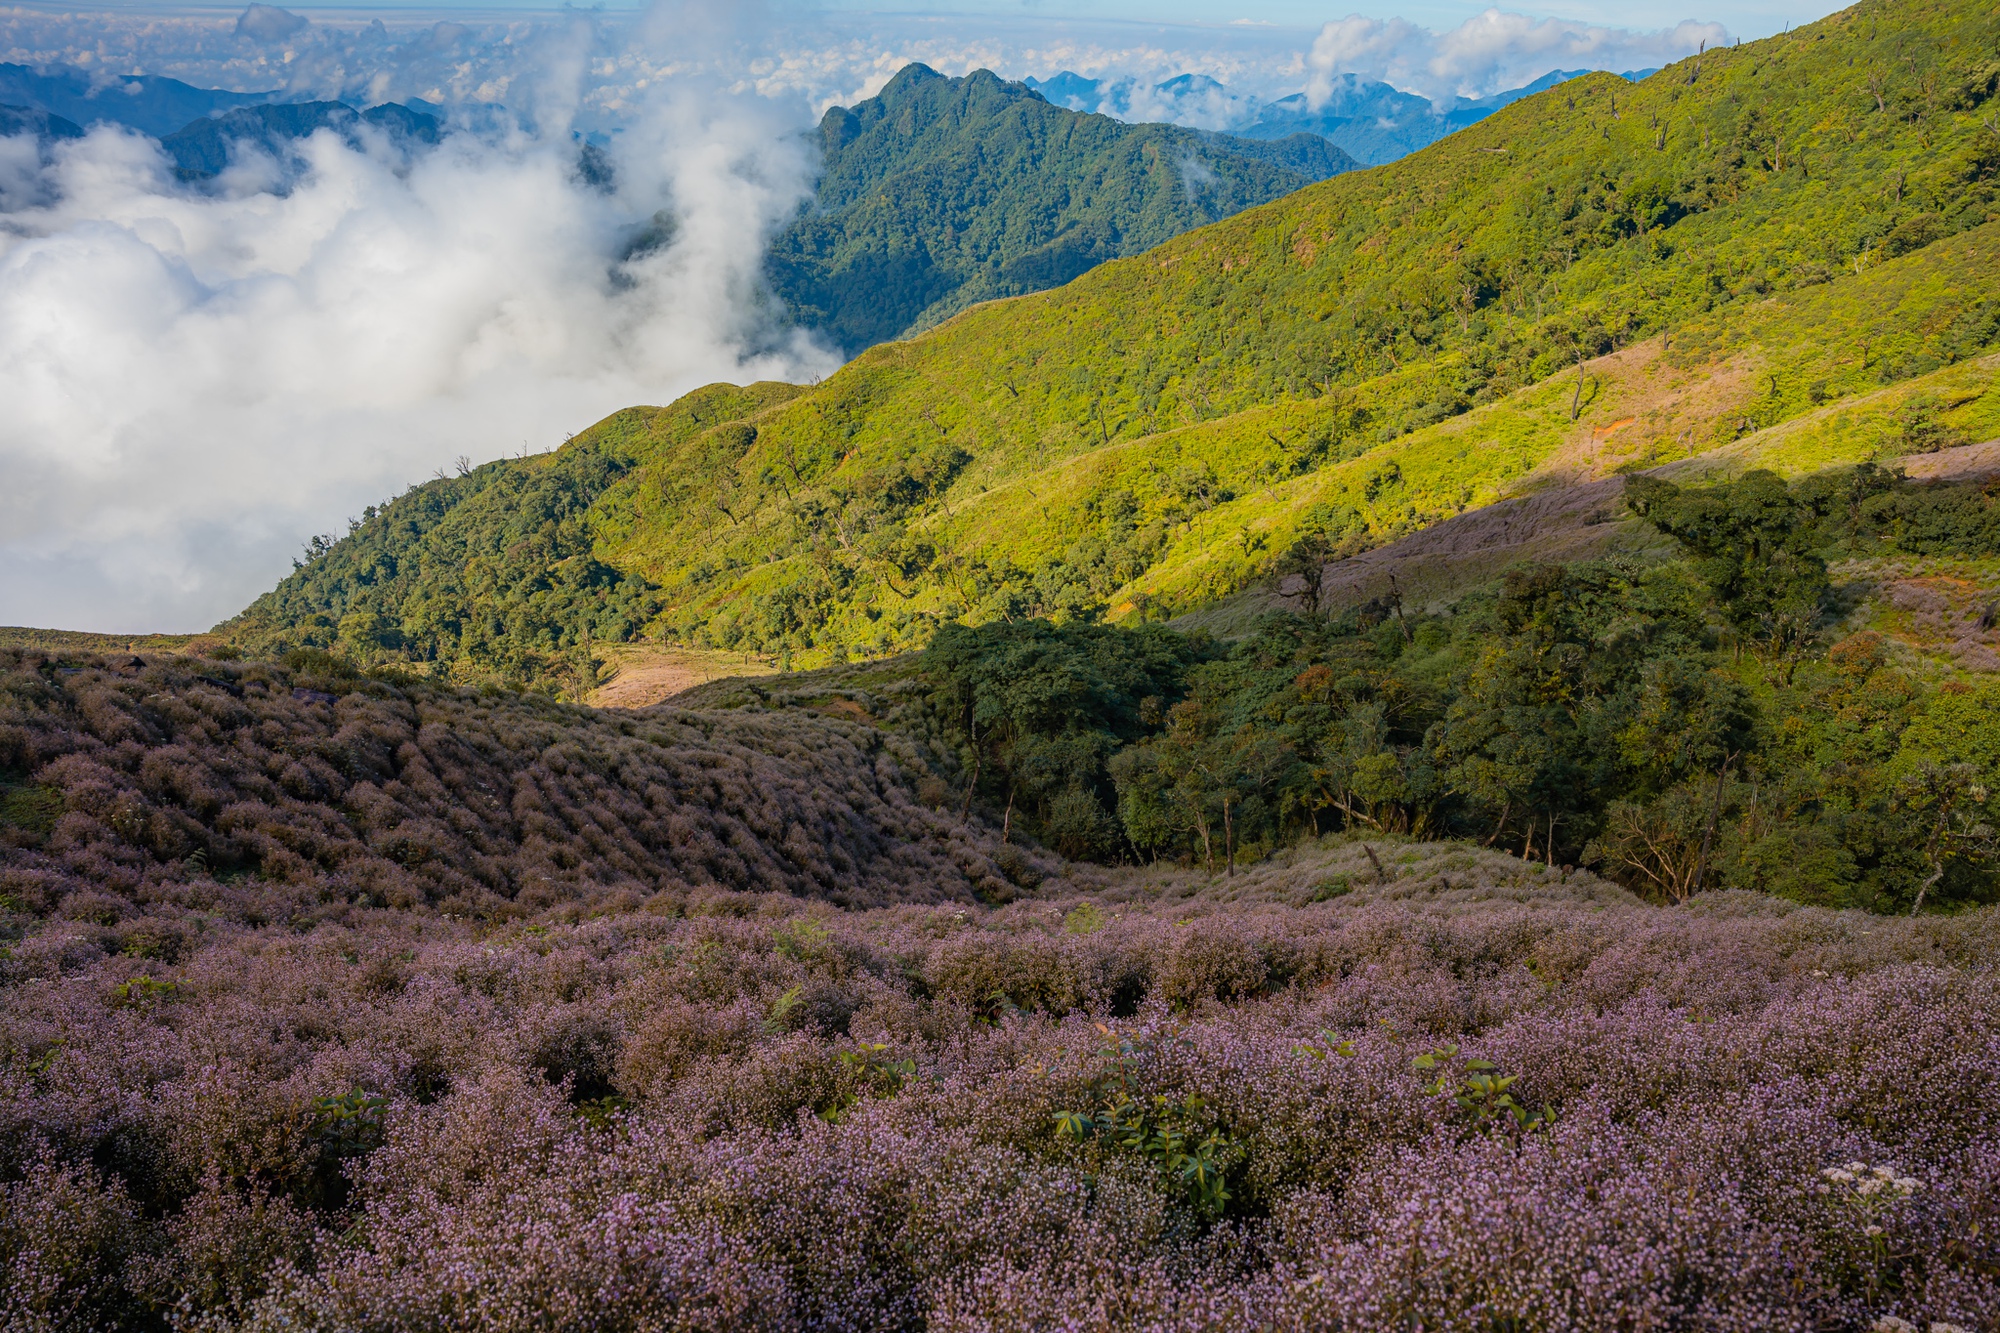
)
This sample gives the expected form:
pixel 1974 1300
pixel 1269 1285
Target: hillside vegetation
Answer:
pixel 331 1001
pixel 1174 1106
pixel 301 792
pixel 939 193
pixel 1605 275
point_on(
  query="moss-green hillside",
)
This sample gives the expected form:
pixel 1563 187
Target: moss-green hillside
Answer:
pixel 1604 276
pixel 493 570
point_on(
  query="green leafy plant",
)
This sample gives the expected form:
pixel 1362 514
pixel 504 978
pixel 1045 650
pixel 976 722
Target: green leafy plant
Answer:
pixel 867 1070
pixel 344 1127
pixel 1327 1048
pixel 1183 1139
pixel 602 1112
pixel 1478 1091
pixel 143 992
pixel 1331 887
pixel 779 1019
pixel 800 939
pixel 1084 919
pixel 348 1124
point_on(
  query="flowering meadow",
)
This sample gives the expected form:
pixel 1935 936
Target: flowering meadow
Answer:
pixel 341 1004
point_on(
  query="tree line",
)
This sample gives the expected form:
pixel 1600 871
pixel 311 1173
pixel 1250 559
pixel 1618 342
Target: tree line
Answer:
pixel 1710 720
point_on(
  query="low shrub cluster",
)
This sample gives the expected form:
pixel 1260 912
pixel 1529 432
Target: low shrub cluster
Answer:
pixel 1402 1086
pixel 192 791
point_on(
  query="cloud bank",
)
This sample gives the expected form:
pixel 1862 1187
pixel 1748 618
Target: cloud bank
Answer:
pixel 195 380
pixel 1488 53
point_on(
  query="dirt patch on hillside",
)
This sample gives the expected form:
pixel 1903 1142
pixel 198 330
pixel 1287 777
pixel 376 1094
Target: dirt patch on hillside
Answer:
pixel 1434 565
pixel 1567 523
pixel 1639 410
pixel 643 676
pixel 1947 609
pixel 1965 462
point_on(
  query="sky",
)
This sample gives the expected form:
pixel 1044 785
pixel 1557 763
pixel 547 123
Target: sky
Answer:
pixel 200 378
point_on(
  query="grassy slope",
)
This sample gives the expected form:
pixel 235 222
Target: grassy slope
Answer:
pixel 80 641
pixel 1552 518
pixel 1163 425
pixel 1354 283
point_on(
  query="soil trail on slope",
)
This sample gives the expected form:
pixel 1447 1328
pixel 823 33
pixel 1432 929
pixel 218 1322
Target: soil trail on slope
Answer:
pixel 643 676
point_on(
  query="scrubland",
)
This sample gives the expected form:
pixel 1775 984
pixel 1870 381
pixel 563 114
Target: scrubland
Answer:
pixel 415 1009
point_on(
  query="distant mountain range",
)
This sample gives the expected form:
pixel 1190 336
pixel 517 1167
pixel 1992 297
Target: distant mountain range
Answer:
pixel 146 102
pixel 202 150
pixel 1372 121
pixel 939 193
pixel 58 105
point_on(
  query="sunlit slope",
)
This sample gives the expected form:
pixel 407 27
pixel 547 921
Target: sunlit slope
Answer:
pixel 1584 220
pixel 1741 240
pixel 493 569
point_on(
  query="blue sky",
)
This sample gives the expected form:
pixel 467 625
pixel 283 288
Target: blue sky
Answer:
pixel 1754 18
pixel 1751 18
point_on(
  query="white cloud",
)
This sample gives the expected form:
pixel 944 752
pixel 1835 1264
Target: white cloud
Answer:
pixel 196 380
pixel 1488 53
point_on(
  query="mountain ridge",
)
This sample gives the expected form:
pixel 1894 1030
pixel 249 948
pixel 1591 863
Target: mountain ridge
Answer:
pixel 205 147
pixel 938 193
pixel 150 103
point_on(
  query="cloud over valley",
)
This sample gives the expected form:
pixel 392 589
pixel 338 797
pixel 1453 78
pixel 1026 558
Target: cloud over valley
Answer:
pixel 198 375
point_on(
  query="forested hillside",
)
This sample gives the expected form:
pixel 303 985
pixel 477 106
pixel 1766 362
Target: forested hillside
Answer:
pixel 1604 276
pixel 496 565
pixel 938 193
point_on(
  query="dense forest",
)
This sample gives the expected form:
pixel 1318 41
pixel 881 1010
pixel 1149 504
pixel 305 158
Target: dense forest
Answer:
pixel 937 193
pixel 1703 721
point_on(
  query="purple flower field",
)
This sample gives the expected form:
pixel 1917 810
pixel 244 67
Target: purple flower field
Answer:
pixel 264 1063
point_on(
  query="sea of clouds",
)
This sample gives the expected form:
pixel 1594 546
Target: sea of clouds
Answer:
pixel 198 377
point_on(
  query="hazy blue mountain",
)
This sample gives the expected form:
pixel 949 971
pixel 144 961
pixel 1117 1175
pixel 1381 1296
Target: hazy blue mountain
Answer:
pixel 202 149
pixel 1370 120
pixel 1070 90
pixel 27 120
pixel 940 193
pixel 1377 123
pixel 155 105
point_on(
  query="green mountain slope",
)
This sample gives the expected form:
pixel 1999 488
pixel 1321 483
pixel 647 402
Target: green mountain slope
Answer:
pixel 494 568
pixel 939 193
pixel 1603 276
